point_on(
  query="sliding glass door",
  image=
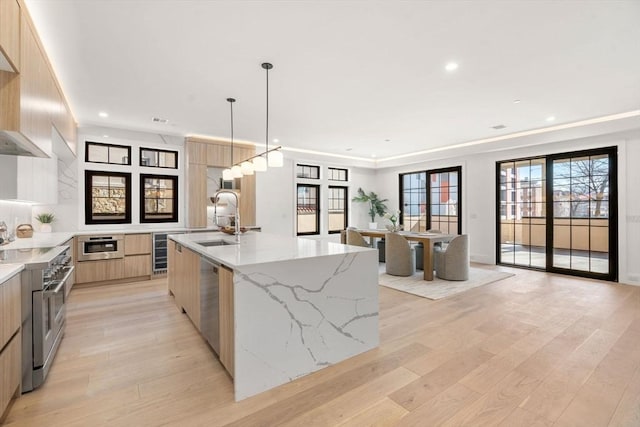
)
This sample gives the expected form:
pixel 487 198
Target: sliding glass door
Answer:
pixel 575 230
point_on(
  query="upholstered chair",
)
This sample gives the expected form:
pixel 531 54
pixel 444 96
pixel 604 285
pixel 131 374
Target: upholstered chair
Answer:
pixel 400 256
pixel 354 238
pixel 381 251
pixel 452 262
pixel 420 251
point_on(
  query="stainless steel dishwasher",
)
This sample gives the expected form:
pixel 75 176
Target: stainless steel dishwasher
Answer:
pixel 209 310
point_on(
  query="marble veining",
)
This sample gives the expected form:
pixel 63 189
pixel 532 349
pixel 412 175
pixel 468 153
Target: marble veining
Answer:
pixel 295 317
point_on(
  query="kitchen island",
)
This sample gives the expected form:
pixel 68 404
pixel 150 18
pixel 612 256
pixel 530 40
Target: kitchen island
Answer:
pixel 288 306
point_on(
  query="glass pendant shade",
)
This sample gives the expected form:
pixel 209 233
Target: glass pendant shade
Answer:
pixel 236 172
pixel 276 160
pixel 227 175
pixel 259 164
pixel 247 168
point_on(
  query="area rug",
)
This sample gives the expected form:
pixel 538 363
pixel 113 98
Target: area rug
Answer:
pixel 440 288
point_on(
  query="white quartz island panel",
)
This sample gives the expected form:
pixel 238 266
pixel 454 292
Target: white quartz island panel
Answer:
pixel 300 304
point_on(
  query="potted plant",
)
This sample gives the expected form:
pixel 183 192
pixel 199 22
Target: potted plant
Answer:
pixel 45 219
pixel 376 205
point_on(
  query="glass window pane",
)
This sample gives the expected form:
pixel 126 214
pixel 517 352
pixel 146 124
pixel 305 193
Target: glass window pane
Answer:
pixel 119 155
pixel 97 153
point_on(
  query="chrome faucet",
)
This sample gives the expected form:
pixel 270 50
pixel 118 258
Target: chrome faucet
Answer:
pixel 237 213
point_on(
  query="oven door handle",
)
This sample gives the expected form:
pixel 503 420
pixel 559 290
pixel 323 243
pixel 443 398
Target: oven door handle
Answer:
pixel 62 282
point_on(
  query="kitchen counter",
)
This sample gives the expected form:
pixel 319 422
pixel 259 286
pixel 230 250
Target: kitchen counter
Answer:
pixel 7 271
pixel 39 240
pixel 253 248
pixel 299 305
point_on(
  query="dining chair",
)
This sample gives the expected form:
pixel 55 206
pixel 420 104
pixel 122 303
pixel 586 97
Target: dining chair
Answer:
pixel 452 262
pixel 400 256
pixel 354 238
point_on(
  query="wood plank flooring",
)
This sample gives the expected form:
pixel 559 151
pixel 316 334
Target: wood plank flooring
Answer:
pixel 535 349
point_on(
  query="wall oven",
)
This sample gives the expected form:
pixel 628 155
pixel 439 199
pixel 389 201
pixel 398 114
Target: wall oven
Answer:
pixel 100 247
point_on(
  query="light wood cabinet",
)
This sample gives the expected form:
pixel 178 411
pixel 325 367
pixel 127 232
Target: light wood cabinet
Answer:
pixel 10 32
pixel 197 195
pixel 100 271
pixel 210 153
pixel 184 281
pixel 227 323
pixel 9 309
pixel 137 266
pixel 171 266
pixel 137 244
pixel 10 341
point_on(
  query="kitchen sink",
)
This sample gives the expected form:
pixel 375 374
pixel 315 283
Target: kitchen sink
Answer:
pixel 216 243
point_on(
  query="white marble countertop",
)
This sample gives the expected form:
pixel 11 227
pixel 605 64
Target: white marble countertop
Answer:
pixel 9 270
pixel 259 248
pixel 39 240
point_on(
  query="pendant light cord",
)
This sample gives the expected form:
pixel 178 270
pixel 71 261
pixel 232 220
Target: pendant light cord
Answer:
pixel 267 130
pixel 231 101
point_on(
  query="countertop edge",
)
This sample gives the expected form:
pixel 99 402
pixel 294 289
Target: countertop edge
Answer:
pixel 7 271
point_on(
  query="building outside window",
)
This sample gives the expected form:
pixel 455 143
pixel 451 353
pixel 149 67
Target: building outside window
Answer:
pixel 158 198
pixel 338 202
pixel 98 152
pixel 308 209
pixel 108 197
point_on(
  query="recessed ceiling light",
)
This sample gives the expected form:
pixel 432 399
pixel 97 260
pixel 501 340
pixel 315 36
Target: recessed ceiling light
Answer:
pixel 373 155
pixel 105 136
pixel 551 118
pixel 103 114
pixel 451 66
pixel 276 140
pixel 516 101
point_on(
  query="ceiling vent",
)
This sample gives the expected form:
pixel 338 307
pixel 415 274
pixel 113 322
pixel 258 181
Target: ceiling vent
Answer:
pixel 498 127
pixel 159 120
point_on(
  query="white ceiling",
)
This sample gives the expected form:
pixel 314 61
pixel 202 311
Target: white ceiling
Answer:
pixel 365 75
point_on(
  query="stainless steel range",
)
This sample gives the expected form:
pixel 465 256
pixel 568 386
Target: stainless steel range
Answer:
pixel 43 307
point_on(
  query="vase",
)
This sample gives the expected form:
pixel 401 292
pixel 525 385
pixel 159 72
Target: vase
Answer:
pixel 373 226
pixel 45 228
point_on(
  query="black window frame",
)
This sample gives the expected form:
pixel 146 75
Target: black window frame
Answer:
pixel 311 167
pixel 346 207
pixel 87 145
pixel 143 217
pixel 157 151
pixel 330 174
pixel 318 200
pixel 88 205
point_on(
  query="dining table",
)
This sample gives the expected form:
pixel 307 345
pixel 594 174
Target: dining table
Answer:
pixel 427 239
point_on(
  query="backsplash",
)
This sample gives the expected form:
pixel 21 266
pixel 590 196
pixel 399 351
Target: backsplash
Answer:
pixel 14 214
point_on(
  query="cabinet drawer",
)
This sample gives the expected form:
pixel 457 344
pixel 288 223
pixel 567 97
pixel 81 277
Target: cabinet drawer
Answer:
pixel 10 366
pixel 137 244
pixel 137 265
pixel 10 308
pixel 99 271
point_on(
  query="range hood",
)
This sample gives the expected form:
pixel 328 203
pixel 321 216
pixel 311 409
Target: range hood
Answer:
pixel 15 144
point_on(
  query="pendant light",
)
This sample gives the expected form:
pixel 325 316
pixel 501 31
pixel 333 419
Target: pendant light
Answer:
pixel 233 171
pixel 274 157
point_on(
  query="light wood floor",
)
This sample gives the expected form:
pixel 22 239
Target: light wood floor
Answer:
pixel 531 350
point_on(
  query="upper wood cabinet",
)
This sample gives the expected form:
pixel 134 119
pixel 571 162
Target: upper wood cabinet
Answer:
pixel 10 35
pixel 31 101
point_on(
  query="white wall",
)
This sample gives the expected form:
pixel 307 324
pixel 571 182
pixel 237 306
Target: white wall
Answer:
pixel 478 193
pixel 276 194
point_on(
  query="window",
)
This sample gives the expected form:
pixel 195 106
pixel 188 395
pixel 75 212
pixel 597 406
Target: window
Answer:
pixel 155 158
pixel 98 152
pixel 440 209
pixel 158 198
pixel 336 174
pixel 107 197
pixel 338 202
pixel 308 171
pixel 308 209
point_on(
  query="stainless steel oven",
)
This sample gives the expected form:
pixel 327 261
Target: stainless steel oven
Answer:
pixel 100 247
